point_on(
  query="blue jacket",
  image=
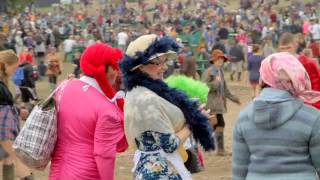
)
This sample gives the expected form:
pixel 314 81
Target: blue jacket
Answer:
pixel 276 137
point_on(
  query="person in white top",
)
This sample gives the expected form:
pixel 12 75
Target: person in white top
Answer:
pixel 122 39
pixel 68 45
pixel 19 42
pixel 315 30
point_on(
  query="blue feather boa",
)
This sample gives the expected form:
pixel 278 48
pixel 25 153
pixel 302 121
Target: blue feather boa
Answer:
pixel 197 122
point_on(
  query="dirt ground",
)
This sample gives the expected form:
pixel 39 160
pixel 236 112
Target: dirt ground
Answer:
pixel 216 168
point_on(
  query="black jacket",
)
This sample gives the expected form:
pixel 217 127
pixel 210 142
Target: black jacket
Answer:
pixel 236 54
pixel 28 80
pixel 223 33
pixel 6 97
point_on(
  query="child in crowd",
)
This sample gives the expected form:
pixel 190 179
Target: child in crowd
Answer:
pixel 254 63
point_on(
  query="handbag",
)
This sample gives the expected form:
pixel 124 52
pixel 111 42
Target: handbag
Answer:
pixel 36 140
pixel 194 162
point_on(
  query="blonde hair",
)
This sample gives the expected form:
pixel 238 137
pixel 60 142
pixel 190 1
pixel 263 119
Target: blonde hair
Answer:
pixel 7 57
pixel 255 48
pixel 308 52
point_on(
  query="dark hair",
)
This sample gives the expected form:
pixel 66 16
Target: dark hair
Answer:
pixel 255 48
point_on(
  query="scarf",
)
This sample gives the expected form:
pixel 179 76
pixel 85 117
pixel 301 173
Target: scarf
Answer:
pixel 284 71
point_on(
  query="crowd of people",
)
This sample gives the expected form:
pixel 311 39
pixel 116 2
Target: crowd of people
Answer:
pixel 280 48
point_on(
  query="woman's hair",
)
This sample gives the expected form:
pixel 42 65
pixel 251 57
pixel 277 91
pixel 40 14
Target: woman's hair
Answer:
pixel 7 57
pixel 255 48
pixel 264 85
pixel 308 52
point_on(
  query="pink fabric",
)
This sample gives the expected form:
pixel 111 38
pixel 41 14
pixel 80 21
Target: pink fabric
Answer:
pixel 242 39
pixel 284 71
pixel 306 27
pixel 89 132
pixel 25 57
pixel 201 157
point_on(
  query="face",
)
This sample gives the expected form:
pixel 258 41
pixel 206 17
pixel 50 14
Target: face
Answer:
pixel 219 62
pixel 156 68
pixel 52 50
pixel 11 69
pixel 112 75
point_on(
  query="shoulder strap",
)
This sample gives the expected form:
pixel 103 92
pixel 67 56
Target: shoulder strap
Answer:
pixel 60 88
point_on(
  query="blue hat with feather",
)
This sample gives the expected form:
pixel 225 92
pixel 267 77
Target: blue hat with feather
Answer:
pixel 148 47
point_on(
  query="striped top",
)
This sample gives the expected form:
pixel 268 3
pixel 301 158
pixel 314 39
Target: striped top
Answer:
pixel 276 137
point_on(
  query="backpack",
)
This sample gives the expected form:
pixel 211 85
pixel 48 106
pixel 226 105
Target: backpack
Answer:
pixel 18 76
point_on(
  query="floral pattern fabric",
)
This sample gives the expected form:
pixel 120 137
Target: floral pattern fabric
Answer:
pixel 152 166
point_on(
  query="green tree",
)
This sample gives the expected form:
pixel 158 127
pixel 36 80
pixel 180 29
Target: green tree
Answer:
pixel 16 6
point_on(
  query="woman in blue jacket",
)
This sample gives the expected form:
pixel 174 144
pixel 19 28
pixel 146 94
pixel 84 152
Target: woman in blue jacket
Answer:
pixel 277 136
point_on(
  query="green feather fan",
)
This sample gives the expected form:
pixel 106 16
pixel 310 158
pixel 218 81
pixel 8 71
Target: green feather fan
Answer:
pixel 193 88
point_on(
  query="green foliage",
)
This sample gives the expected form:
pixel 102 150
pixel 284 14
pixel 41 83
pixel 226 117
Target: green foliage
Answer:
pixel 17 6
pixel 194 89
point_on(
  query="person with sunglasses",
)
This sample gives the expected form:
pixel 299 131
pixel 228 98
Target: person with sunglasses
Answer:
pixel 157 118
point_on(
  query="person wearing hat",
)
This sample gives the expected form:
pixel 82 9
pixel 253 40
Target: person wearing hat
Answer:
pixel 218 93
pixel 90 120
pixel 277 136
pixel 158 119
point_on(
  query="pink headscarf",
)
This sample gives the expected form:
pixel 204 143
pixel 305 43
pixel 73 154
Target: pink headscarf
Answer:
pixel 284 71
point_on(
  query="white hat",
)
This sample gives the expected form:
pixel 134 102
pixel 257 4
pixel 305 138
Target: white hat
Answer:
pixel 142 44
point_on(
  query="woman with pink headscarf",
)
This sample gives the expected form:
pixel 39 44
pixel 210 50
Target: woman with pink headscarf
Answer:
pixel 277 136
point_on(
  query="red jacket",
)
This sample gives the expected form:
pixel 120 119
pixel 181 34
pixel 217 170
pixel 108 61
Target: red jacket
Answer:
pixel 315 47
pixel 25 57
pixel 314 74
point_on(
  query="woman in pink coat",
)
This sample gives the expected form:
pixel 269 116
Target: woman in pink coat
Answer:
pixel 90 120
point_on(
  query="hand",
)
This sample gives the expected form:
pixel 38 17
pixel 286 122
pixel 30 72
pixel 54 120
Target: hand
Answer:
pixel 204 111
pixel 218 78
pixel 184 133
pixel 201 107
pixel 186 129
pixel 24 113
pixel 213 120
pixel 71 76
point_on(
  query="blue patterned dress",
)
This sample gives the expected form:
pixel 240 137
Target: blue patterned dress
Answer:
pixel 152 166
